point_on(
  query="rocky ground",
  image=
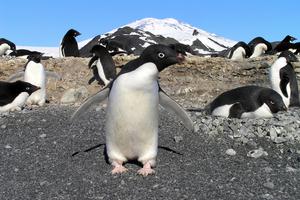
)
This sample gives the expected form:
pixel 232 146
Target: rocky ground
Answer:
pixel 223 159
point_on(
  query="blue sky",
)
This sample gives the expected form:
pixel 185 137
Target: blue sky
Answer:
pixel 44 22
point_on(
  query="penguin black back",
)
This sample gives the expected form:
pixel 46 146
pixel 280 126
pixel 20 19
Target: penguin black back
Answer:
pixel 288 76
pixel 11 44
pixel 240 44
pixel 9 91
pixel 259 40
pixel 285 44
pixel 69 46
pixel 104 69
pixel 248 99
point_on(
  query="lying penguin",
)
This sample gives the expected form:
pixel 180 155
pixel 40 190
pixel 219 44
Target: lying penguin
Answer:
pixel 35 74
pixel 132 111
pixel 246 102
pixel 238 52
pixel 259 46
pixel 283 79
pixel 103 66
pixel 13 96
pixel 6 46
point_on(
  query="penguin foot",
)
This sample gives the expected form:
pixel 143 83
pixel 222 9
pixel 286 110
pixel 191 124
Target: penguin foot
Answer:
pixel 146 170
pixel 118 168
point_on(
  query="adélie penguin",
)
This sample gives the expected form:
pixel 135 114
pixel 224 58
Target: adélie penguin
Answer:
pixel 6 46
pixel 259 46
pixel 246 102
pixel 103 66
pixel 68 45
pixel 132 111
pixel 284 80
pixel 35 74
pixel 14 95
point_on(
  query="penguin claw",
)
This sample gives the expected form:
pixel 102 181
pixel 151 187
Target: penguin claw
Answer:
pixel 145 171
pixel 119 169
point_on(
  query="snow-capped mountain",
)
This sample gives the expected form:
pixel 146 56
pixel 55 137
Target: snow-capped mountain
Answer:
pixel 182 32
pixel 136 36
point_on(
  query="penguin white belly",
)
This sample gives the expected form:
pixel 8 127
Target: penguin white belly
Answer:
pixel 35 74
pixel 4 48
pixel 17 103
pixel 259 50
pixel 238 54
pixel 222 110
pixel 132 117
pixel 275 80
pixel 101 72
pixel 262 112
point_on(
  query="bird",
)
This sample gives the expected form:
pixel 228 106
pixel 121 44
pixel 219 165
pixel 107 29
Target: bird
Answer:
pixel 132 110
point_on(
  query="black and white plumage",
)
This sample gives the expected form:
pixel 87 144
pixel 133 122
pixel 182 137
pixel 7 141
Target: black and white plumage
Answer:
pixel 6 46
pixel 14 95
pixel 35 73
pixel 259 46
pixel 24 53
pixel 69 46
pixel 103 66
pixel 238 52
pixel 132 111
pixel 285 44
pixel 247 102
pixel 284 80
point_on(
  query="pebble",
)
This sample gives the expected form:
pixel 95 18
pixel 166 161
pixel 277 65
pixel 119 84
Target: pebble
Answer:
pixel 269 185
pixel 230 152
pixel 43 135
pixel 178 139
pixel 257 153
pixel 3 126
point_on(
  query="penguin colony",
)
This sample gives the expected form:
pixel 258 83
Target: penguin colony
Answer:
pixel 134 94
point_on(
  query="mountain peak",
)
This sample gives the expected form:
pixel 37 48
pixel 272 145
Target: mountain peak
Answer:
pixel 181 31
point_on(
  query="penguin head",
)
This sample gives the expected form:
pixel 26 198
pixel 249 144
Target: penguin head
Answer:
pixel 289 56
pixel 272 99
pixel 73 32
pixel 97 49
pixel 289 38
pixel 161 55
pixel 35 57
pixel 26 87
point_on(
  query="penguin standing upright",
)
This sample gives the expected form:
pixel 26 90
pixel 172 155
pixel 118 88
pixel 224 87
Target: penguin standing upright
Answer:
pixel 259 46
pixel 283 78
pixel 14 95
pixel 6 46
pixel 132 111
pixel 103 66
pixel 36 75
pixel 69 46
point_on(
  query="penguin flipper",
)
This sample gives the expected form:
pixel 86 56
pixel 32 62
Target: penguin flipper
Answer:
pixel 16 76
pixel 170 104
pixel 92 61
pixel 53 75
pixel 97 98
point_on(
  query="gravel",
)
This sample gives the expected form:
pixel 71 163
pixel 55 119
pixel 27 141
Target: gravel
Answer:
pixel 37 162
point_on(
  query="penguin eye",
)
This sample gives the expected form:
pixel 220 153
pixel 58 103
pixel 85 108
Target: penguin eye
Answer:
pixel 161 55
pixel 27 88
pixel 272 102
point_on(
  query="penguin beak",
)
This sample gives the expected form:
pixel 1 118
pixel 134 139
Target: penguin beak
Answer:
pixel 180 57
